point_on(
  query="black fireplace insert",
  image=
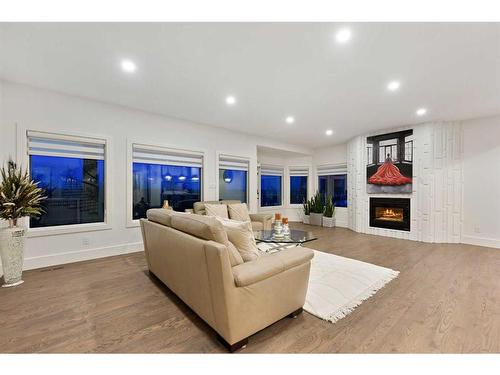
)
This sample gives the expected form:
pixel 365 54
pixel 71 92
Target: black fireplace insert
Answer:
pixel 390 213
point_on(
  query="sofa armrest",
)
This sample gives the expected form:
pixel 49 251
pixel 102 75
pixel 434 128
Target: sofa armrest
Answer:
pixel 269 265
pixel 265 219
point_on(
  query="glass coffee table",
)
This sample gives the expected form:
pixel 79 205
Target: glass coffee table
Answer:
pixel 296 237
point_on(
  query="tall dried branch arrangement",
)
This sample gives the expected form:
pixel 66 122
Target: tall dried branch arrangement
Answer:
pixel 20 196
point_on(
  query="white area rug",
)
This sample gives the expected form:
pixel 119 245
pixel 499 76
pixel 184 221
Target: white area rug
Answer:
pixel 337 285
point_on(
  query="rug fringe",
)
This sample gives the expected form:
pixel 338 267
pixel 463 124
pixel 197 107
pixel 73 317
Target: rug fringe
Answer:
pixel 349 307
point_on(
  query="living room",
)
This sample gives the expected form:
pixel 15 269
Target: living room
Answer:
pixel 310 187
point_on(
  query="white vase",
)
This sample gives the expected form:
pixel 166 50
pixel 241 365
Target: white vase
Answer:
pixel 305 219
pixel 315 219
pixel 12 254
pixel 328 222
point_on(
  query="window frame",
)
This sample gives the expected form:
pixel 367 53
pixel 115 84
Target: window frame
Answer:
pixel 333 170
pixel 131 223
pixel 244 159
pixel 280 168
pixel 23 158
pixel 290 175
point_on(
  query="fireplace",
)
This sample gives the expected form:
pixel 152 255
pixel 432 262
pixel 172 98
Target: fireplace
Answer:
pixel 390 213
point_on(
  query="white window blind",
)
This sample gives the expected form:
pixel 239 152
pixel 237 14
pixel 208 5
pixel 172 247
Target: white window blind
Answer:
pixel 48 144
pixel 331 169
pixel 165 156
pixel 233 162
pixel 271 170
pixel 299 171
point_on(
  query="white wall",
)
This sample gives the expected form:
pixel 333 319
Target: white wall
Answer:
pixel 40 109
pixel 331 155
pixel 335 155
pixel 481 209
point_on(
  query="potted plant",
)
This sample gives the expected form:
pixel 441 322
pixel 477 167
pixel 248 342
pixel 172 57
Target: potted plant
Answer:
pixel 20 197
pixel 328 219
pixel 317 208
pixel 306 205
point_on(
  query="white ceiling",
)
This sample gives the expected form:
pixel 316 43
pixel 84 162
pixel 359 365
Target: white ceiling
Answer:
pixel 185 70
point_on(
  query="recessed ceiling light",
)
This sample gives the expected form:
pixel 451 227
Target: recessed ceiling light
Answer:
pixel 393 85
pixel 343 35
pixel 290 120
pixel 421 111
pixel 230 100
pixel 329 132
pixel 128 66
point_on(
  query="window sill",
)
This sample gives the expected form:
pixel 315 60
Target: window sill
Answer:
pixel 67 229
pixel 133 223
pixel 270 207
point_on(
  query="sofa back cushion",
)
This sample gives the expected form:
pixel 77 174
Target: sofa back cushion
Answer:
pixel 199 207
pixel 238 211
pixel 230 201
pixel 217 210
pixel 162 216
pixel 207 228
pixel 241 235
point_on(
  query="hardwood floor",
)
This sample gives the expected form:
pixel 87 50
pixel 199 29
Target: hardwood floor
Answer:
pixel 446 300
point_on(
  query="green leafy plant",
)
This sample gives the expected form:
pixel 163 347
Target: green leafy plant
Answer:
pixel 20 196
pixel 306 205
pixel 317 207
pixel 329 207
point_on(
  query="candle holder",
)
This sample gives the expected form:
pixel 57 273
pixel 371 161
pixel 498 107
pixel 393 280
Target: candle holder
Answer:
pixel 286 228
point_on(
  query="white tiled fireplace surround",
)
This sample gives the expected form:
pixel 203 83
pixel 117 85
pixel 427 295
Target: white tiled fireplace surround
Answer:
pixel 436 200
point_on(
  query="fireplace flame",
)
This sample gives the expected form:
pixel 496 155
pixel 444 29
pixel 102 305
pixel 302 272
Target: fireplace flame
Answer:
pixel 390 214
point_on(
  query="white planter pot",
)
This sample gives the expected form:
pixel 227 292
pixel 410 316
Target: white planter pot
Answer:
pixel 315 219
pixel 12 254
pixel 328 222
pixel 305 219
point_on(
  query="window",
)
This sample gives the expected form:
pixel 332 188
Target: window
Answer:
pixel 160 174
pixel 408 149
pixel 334 186
pixel 298 184
pixel 369 154
pixel 332 182
pixel 71 170
pixel 387 149
pixel 271 186
pixel 233 178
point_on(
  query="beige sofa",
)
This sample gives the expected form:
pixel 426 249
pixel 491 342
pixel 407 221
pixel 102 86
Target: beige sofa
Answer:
pixel 259 221
pixel 236 301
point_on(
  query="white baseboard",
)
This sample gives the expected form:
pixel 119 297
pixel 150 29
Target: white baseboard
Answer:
pixel 78 256
pixel 481 241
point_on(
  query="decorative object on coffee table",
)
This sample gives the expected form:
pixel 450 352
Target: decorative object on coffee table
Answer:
pixel 317 209
pixel 297 237
pixel 277 227
pixel 286 228
pixel 328 218
pixel 20 197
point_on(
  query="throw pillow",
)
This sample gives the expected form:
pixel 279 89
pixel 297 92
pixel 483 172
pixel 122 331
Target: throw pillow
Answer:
pixel 234 255
pixel 238 211
pixel 208 228
pixel 217 210
pixel 241 235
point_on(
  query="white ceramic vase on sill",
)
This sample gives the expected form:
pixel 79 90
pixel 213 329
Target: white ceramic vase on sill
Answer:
pixel 12 254
pixel 315 219
pixel 305 219
pixel 328 222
